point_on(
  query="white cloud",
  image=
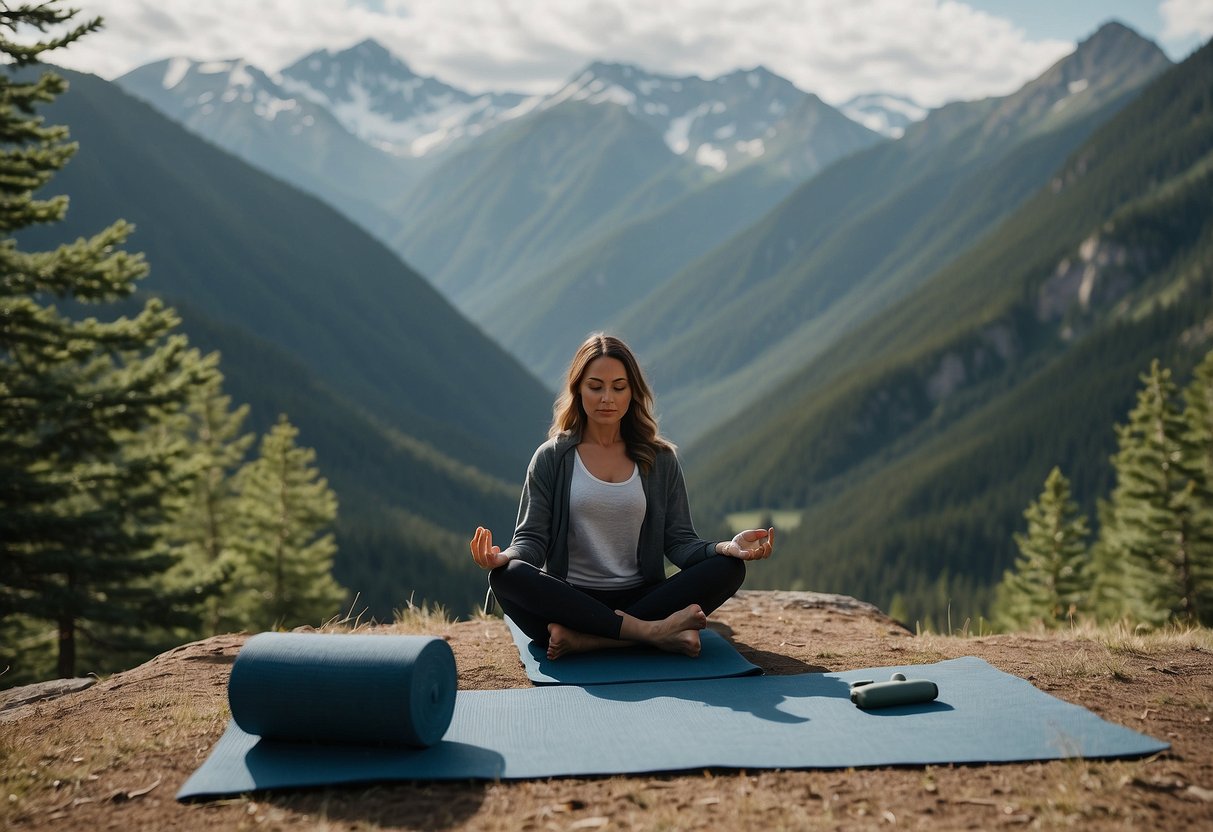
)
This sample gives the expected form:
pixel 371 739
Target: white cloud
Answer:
pixel 1183 18
pixel 933 50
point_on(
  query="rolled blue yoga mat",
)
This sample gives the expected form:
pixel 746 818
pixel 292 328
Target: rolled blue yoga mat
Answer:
pixel 351 689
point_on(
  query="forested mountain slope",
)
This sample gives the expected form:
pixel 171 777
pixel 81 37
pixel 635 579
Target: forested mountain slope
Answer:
pixel 913 445
pixel 559 304
pixel 868 230
pixel 417 415
pixel 531 191
pixel 405 508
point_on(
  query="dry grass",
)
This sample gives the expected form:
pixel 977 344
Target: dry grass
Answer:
pixel 1123 638
pixel 88 761
pixel 426 619
pixel 412 619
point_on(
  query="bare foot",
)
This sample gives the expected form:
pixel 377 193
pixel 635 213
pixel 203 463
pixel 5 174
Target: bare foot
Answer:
pixel 685 642
pixel 690 618
pixel 676 633
pixel 562 641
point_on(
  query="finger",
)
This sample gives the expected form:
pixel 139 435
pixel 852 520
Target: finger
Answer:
pixel 480 550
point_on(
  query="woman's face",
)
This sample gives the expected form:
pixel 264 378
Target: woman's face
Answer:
pixel 605 391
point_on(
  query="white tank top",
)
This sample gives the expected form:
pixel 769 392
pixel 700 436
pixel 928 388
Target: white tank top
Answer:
pixel 604 529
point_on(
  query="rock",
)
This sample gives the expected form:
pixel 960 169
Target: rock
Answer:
pixel 27 694
pixel 811 601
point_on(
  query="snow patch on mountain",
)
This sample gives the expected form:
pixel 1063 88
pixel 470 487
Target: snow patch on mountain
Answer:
pixel 1072 89
pixel 711 157
pixel 175 72
pixel 884 113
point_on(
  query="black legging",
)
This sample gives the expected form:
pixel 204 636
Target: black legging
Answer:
pixel 534 599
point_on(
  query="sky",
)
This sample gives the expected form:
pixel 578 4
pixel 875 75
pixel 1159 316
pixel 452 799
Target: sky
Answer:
pixel 931 50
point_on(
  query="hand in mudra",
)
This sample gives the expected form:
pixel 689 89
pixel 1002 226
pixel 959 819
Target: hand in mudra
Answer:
pixel 753 544
pixel 486 555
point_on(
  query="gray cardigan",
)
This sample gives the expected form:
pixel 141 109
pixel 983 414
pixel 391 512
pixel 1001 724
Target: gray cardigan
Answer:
pixel 541 534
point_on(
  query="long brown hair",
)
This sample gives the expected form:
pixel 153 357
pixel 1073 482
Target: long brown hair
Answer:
pixel 638 427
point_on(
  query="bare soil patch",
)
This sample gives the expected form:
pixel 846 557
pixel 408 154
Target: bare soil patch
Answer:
pixel 113 756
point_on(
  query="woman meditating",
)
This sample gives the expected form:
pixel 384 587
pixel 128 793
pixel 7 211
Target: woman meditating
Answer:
pixel 603 506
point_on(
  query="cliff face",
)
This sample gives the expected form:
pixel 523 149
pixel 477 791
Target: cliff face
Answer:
pixel 113 755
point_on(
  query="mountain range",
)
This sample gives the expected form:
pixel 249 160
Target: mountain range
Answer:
pixel 613 145
pixel 880 337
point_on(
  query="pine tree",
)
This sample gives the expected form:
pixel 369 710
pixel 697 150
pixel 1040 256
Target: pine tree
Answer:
pixel 285 577
pixel 1111 576
pixel 1159 519
pixel 205 518
pixel 1198 414
pixel 77 483
pixel 1050 579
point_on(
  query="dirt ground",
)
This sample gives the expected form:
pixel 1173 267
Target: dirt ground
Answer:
pixel 113 756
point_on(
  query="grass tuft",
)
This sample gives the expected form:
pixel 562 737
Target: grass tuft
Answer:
pixel 428 619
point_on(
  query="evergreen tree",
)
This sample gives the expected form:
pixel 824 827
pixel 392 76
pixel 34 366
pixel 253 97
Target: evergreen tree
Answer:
pixel 77 484
pixel 1049 582
pixel 205 518
pixel 1198 413
pixel 1159 507
pixel 285 576
pixel 1110 570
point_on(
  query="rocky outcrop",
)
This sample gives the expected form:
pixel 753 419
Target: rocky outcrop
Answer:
pixel 11 700
pixel 1099 275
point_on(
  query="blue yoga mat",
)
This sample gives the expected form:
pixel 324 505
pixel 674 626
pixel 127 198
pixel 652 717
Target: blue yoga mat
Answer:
pixel 759 722
pixel 717 659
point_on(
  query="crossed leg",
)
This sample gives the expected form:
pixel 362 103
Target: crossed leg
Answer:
pixel 676 633
pixel 569 619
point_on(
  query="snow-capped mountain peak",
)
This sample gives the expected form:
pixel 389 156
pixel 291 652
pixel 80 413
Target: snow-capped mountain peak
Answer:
pixel 885 113
pixel 190 89
pixel 719 122
pixel 380 99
